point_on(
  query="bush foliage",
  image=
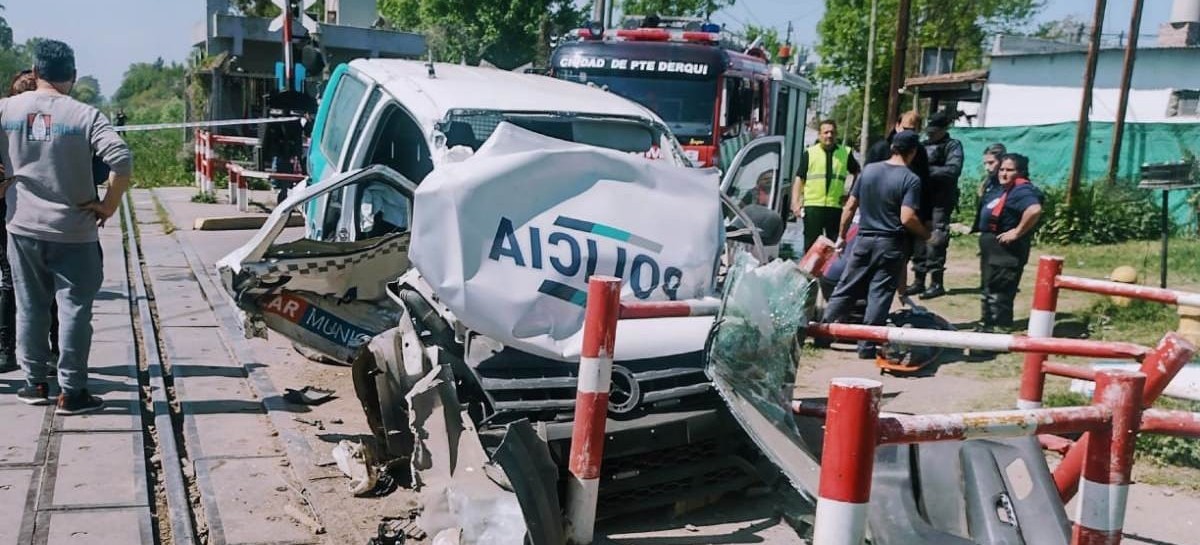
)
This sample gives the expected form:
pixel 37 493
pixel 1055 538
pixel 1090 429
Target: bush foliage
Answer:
pixel 1100 213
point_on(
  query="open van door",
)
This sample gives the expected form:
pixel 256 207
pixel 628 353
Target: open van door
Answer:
pixel 754 174
pixel 327 293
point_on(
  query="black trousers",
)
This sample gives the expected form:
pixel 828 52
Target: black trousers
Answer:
pixel 1001 266
pixel 821 220
pixel 930 259
pixel 873 270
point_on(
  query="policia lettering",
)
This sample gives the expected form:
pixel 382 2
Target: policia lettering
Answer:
pixel 644 273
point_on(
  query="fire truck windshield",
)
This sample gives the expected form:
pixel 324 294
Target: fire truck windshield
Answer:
pixel 685 104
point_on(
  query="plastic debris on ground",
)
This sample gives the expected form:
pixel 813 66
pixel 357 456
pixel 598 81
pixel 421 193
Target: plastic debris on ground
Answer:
pixel 355 460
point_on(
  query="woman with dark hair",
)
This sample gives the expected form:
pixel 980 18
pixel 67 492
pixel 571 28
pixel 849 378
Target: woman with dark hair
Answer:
pixel 1008 214
pixel 23 81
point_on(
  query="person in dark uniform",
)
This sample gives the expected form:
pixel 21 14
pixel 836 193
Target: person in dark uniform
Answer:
pixel 820 184
pixel 945 166
pixel 991 168
pixel 887 198
pixel 882 150
pixel 1008 215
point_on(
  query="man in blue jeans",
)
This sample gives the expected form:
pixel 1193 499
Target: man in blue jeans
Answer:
pixel 48 140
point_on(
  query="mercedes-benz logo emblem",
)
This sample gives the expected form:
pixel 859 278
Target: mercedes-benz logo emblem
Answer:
pixel 625 394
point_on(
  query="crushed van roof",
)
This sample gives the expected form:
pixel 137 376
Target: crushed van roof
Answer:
pixel 469 87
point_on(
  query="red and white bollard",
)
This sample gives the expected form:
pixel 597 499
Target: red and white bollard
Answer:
pixel 233 170
pixel 199 156
pixel 1100 513
pixel 1041 325
pixel 243 197
pixel 847 460
pixel 591 406
pixel 1159 367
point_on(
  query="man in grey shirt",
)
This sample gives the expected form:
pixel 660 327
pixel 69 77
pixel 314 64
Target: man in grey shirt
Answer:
pixel 48 140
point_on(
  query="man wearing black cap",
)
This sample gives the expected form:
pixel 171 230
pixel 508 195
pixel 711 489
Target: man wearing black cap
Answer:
pixel 945 166
pixel 887 197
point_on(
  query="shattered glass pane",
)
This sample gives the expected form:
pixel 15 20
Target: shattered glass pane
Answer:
pixel 751 358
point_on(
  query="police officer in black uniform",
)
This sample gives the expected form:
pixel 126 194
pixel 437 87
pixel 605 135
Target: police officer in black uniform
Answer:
pixel 1008 214
pixel 945 166
pixel 887 197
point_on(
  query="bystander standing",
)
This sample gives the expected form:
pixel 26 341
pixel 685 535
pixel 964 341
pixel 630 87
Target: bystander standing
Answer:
pixel 819 189
pixel 1008 215
pixel 887 199
pixel 53 213
pixel 945 166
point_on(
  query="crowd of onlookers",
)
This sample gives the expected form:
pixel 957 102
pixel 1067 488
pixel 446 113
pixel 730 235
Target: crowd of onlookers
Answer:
pixel 896 207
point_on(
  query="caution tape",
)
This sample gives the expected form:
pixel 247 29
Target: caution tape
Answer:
pixel 194 124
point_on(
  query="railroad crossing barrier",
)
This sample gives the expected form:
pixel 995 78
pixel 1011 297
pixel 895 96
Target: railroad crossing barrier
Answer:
pixel 1045 302
pixel 207 163
pixel 854 428
pixel 1159 366
pixel 238 187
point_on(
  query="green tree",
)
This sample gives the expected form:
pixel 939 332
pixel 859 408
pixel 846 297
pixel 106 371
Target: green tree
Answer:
pixel 963 26
pixel 6 33
pixel 678 8
pixel 87 91
pixel 503 32
pixel 770 38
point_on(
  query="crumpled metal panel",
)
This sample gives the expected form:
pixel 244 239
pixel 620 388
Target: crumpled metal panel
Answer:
pixel 751 360
pixel 533 475
pixel 449 468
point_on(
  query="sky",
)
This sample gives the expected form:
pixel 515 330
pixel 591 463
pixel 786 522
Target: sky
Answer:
pixel 109 35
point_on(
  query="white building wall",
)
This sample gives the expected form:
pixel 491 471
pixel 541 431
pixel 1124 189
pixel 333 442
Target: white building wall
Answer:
pixel 1045 89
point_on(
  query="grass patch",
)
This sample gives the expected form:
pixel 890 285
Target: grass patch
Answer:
pixel 1160 450
pixel 1141 322
pixel 164 217
pixel 204 197
pixel 1098 261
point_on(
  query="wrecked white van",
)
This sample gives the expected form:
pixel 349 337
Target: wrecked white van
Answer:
pixel 556 198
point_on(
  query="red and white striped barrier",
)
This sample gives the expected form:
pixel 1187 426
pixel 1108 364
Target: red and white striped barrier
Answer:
pixel 591 406
pixel 996 342
pixel 1041 325
pixel 634 310
pixel 1045 302
pixel 1100 513
pixel 854 428
pixel 847 460
pixel 1159 367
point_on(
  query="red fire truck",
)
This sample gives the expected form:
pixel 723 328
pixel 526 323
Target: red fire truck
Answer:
pixel 716 98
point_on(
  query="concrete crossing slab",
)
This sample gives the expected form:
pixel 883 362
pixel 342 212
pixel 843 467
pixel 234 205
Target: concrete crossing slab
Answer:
pixel 21 442
pixel 161 250
pixel 247 497
pixel 195 346
pixel 95 469
pixel 229 435
pixel 14 493
pixel 131 525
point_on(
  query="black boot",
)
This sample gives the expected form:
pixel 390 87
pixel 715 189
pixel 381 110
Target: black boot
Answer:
pixel 936 289
pixel 8 331
pixel 918 285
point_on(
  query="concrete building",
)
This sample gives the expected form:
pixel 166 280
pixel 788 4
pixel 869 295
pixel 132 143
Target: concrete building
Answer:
pixel 238 54
pixel 1031 81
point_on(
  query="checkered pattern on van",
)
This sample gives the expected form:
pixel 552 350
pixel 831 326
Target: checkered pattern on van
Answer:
pixel 301 266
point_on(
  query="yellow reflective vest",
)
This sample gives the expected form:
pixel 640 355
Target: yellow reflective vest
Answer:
pixel 826 188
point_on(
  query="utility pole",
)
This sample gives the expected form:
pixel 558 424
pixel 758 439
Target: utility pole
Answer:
pixel 598 12
pixel 1089 79
pixel 865 137
pixel 902 16
pixel 1114 157
pixel 610 23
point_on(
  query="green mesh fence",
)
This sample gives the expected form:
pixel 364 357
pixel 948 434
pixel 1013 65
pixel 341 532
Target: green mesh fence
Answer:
pixel 1050 148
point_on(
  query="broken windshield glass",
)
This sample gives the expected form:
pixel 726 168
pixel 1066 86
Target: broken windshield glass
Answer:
pixel 752 359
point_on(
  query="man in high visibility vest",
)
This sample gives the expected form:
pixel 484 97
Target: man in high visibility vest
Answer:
pixel 826 171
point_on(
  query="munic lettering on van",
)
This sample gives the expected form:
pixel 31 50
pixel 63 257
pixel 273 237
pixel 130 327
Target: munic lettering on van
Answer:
pixel 575 256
